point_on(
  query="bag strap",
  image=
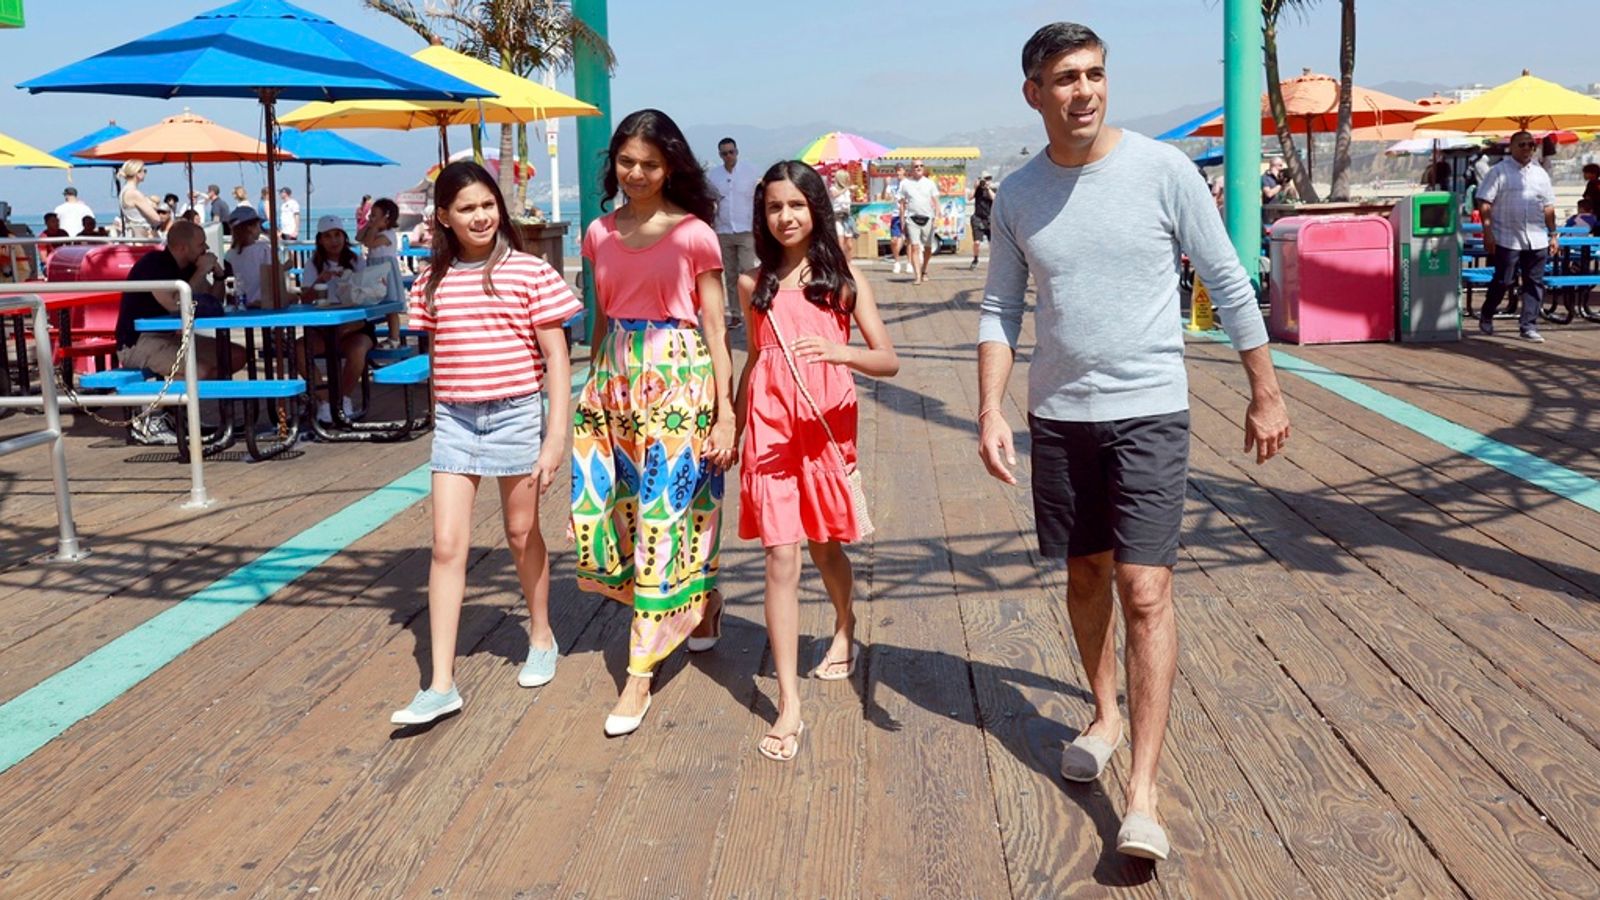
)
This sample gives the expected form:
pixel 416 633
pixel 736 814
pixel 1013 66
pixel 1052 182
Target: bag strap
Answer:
pixel 801 383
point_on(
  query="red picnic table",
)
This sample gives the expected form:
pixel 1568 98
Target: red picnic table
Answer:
pixel 102 341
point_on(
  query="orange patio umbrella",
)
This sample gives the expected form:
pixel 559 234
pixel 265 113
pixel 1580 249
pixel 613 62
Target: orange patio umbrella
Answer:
pixel 1312 103
pixel 185 138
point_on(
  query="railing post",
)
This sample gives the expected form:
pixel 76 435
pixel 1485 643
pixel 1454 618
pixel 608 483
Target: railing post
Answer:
pixel 191 387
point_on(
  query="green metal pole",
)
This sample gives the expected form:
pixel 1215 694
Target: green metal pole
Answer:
pixel 592 81
pixel 1241 97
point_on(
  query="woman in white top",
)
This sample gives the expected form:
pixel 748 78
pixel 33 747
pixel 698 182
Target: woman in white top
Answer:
pixel 839 193
pixel 140 216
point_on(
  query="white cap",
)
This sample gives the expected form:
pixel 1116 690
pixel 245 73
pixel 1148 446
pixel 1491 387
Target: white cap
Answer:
pixel 330 223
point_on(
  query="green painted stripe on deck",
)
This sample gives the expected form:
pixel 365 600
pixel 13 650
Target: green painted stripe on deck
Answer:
pixel 1537 471
pixel 39 715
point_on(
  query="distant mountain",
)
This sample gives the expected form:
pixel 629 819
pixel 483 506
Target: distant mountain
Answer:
pixel 1154 125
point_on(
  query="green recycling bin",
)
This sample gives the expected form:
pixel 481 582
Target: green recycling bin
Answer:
pixel 1428 263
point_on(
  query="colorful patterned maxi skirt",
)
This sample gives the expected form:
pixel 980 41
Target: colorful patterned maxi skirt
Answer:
pixel 646 512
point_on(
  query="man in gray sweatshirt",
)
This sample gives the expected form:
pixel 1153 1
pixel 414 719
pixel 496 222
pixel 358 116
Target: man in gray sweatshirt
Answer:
pixel 1099 222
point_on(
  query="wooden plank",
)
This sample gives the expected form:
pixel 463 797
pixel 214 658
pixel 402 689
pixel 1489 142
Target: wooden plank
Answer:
pixel 141 540
pixel 1469 513
pixel 1526 745
pixel 817 801
pixel 1549 669
pixel 270 797
pixel 144 770
pixel 1491 840
pixel 929 767
pixel 98 619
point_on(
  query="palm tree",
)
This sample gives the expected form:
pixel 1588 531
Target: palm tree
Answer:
pixel 521 36
pixel 1340 188
pixel 1298 172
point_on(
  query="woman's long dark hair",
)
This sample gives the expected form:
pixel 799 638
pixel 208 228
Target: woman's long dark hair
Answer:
pixel 346 260
pixel 687 186
pixel 830 285
pixel 445 248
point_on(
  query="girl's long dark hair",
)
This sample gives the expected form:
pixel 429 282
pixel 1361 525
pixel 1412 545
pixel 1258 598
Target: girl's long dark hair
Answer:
pixel 687 186
pixel 830 286
pixel 346 260
pixel 445 248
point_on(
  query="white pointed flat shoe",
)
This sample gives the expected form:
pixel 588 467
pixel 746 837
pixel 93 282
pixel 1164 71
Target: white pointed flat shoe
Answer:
pixel 616 725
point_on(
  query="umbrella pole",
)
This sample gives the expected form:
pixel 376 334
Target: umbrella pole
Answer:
pixel 307 217
pixel 188 166
pixel 280 348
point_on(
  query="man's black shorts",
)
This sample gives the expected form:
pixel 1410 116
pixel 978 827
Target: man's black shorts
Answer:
pixel 980 228
pixel 1116 486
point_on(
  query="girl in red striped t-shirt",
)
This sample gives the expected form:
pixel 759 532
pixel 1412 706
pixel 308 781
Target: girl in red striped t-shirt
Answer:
pixel 495 314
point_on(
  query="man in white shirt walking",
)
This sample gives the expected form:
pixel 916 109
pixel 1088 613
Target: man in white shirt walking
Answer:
pixel 735 185
pixel 919 213
pixel 288 216
pixel 1518 206
pixel 71 211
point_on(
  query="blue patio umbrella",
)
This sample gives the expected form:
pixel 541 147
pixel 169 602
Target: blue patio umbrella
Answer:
pixel 1178 132
pixel 1209 157
pixel 262 49
pixel 325 148
pixel 69 152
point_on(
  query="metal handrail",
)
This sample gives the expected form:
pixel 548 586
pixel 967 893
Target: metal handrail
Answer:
pixel 198 499
pixel 67 547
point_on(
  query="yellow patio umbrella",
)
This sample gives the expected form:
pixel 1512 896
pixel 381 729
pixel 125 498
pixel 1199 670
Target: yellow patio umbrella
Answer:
pixel 517 101
pixel 15 153
pixel 1525 103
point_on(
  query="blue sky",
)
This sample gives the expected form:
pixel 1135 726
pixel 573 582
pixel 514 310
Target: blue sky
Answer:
pixel 952 66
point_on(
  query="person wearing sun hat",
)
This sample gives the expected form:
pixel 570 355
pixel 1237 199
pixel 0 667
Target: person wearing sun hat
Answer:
pixel 333 258
pixel 247 255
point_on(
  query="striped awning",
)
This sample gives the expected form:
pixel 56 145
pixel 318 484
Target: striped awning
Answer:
pixel 932 153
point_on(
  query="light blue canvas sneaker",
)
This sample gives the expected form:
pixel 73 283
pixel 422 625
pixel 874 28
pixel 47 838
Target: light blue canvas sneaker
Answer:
pixel 540 669
pixel 428 705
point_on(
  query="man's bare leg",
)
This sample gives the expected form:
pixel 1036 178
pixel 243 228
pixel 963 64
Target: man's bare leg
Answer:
pixel 1090 610
pixel 1152 660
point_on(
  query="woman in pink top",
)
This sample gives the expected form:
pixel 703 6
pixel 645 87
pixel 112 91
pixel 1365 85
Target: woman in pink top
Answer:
pixel 654 428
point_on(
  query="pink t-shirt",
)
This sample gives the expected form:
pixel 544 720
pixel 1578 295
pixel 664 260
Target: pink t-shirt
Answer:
pixel 657 282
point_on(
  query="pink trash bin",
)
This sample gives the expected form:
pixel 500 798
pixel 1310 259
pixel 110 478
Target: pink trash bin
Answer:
pixel 1332 279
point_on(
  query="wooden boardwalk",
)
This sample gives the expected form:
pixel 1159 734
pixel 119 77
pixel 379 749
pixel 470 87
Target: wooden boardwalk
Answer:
pixel 1390 677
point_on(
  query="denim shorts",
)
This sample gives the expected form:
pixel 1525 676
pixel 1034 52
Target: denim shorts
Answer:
pixel 495 437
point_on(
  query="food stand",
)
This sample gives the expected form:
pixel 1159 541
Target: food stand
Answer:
pixel 948 167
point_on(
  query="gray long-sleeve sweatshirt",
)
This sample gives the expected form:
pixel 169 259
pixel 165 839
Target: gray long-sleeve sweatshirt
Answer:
pixel 1102 243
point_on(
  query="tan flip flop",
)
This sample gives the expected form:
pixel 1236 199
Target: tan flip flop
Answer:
pixel 1085 759
pixel 822 670
pixel 1143 837
pixel 780 756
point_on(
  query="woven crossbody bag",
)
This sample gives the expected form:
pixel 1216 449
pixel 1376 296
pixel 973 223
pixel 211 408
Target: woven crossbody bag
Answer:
pixel 858 494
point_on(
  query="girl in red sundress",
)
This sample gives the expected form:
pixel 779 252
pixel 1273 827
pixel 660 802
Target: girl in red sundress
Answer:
pixel 797 417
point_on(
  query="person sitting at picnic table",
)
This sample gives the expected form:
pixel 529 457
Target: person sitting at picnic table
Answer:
pixel 1584 217
pixel 91 228
pixel 248 255
pixel 184 258
pixel 332 259
pixel 52 229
